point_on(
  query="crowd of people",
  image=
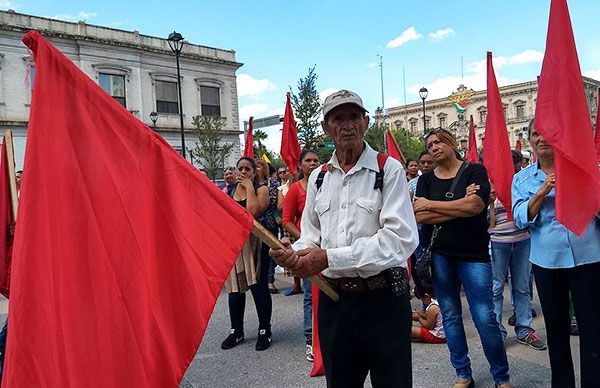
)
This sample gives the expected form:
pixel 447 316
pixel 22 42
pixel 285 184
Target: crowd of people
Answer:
pixel 361 218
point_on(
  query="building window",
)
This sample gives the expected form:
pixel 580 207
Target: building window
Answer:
pixel 520 111
pixel 413 125
pixel 427 123
pixel 211 105
pixel 166 97
pixel 443 122
pixel 505 110
pixel 482 116
pixel 114 85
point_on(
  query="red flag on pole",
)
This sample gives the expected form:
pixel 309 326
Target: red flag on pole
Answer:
pixel 567 127
pixel 6 218
pixel 122 246
pixel 597 135
pixel 472 154
pixel 393 149
pixel 497 157
pixel 249 147
pixel 290 148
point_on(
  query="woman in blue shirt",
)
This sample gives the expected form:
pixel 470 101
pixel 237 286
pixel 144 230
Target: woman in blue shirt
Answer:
pixel 563 263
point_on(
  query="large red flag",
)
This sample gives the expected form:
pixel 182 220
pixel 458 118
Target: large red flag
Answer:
pixel 567 126
pixel 249 147
pixel 393 149
pixel 6 218
pixel 597 136
pixel 290 148
pixel 497 157
pixel 122 246
pixel 472 154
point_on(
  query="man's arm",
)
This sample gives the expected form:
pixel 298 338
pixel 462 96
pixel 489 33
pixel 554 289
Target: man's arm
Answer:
pixel 465 207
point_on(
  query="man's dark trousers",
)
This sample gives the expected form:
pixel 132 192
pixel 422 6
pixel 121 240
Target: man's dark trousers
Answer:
pixel 366 332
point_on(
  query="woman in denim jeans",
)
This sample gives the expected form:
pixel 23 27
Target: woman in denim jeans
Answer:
pixel 460 254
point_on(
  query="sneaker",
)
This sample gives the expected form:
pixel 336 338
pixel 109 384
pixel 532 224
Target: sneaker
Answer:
pixel 533 341
pixel 512 320
pixel 264 340
pixel 309 353
pixel 234 338
pixel 574 327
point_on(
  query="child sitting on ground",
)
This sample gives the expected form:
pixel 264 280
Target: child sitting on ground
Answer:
pixel 431 329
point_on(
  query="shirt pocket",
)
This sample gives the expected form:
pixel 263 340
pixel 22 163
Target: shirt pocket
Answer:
pixel 367 216
pixel 322 207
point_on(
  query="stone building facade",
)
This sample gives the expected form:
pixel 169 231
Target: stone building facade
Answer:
pixel 454 111
pixel 138 70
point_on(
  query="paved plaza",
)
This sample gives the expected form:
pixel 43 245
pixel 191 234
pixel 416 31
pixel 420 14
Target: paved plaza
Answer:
pixel 284 364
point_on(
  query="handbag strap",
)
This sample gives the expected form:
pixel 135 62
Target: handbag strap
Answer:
pixel 449 195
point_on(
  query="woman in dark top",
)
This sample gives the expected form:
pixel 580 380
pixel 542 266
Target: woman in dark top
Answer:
pixel 250 269
pixel 460 254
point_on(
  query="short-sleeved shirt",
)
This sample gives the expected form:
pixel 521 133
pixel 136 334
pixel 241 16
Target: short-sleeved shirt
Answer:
pixel 462 238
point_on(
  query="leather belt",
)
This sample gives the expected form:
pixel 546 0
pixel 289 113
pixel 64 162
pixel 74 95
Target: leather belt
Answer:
pixel 356 284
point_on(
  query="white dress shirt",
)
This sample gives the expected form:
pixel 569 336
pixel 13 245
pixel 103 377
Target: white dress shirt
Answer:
pixel 364 230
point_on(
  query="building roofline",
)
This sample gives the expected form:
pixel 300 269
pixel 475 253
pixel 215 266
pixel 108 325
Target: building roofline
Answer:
pixel 12 21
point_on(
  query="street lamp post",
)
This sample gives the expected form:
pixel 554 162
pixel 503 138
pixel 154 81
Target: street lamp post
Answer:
pixel 423 94
pixel 176 44
pixel 153 117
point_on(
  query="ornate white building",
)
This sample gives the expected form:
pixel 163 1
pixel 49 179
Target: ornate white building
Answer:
pixel 454 111
pixel 138 70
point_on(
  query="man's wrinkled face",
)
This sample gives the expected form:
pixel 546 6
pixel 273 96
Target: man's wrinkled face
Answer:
pixel 346 125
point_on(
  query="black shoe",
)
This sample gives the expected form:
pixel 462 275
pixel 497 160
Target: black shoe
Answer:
pixel 234 338
pixel 533 313
pixel 265 338
pixel 512 320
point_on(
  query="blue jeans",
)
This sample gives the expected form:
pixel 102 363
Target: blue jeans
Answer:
pixel 516 257
pixel 476 278
pixel 307 325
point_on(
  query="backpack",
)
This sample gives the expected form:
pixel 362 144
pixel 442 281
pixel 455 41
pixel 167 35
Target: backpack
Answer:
pixel 381 159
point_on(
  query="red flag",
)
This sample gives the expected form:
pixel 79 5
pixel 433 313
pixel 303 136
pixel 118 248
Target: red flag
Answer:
pixel 6 218
pixel 249 147
pixel 290 148
pixel 122 246
pixel 318 366
pixel 519 146
pixel 393 149
pixel 472 154
pixel 497 157
pixel 567 127
pixel 597 137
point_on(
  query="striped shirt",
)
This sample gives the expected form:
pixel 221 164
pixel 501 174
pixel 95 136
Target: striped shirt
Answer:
pixel 505 231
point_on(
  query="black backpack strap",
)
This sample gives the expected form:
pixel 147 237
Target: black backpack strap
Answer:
pixel 321 176
pixel 381 159
pixel 450 193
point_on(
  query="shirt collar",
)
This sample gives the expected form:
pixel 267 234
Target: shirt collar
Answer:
pixel 537 171
pixel 368 159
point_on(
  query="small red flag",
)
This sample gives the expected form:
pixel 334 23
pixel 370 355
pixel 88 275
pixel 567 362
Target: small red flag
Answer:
pixel 567 127
pixel 497 157
pixel 122 246
pixel 519 146
pixel 597 136
pixel 290 148
pixel 249 147
pixel 472 154
pixel 393 149
pixel 6 218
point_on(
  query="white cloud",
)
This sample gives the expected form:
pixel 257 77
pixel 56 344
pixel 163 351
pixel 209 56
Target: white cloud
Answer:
pixel 527 56
pixel 406 36
pixel 252 87
pixel 252 110
pixel 82 15
pixel 441 34
pixel 7 4
pixel 371 65
pixel 595 74
pixel 326 92
pixel 394 101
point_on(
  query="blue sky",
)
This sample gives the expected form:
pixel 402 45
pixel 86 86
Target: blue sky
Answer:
pixel 278 41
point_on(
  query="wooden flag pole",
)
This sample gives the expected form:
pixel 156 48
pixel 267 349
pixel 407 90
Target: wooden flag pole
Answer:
pixel 12 177
pixel 267 237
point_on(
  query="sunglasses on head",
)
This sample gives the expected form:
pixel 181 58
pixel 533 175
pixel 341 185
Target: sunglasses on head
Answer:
pixel 433 131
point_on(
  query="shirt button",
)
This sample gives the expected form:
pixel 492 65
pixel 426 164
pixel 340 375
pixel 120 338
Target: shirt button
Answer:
pixel 345 183
pixel 341 230
pixel 343 206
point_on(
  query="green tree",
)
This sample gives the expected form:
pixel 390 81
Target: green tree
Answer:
pixel 259 136
pixel 209 149
pixel 410 144
pixel 375 136
pixel 307 108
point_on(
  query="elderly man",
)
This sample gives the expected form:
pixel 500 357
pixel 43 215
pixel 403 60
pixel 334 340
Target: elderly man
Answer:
pixel 358 229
